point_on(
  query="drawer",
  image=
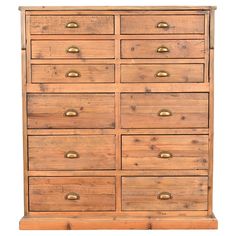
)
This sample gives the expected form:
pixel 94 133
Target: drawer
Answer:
pixel 72 24
pixel 148 152
pixel 162 48
pixel 162 24
pixel 164 193
pixel 162 73
pixel 73 73
pixel 71 194
pixel 77 152
pixel 74 49
pixel 71 111
pixel 164 110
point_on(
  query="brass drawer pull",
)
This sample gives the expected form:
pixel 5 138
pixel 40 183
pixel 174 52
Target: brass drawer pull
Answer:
pixel 165 155
pixel 73 74
pixel 71 155
pixel 71 113
pixel 162 49
pixel 72 25
pixel 165 196
pixel 162 74
pixel 72 196
pixel 162 25
pixel 164 113
pixel 73 50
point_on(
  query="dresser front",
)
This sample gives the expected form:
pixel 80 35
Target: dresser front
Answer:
pixel 118 117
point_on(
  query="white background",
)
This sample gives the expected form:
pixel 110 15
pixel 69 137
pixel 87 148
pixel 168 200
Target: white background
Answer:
pixel 11 164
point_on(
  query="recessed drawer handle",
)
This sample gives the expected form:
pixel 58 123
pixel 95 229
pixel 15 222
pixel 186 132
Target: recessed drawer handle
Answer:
pixel 162 49
pixel 71 155
pixel 72 25
pixel 162 25
pixel 73 74
pixel 72 196
pixel 71 113
pixel 164 113
pixel 73 50
pixel 162 74
pixel 165 196
pixel 165 155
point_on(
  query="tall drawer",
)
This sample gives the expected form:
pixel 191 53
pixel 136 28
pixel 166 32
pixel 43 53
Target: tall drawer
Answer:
pixel 162 24
pixel 72 194
pixel 164 193
pixel 93 24
pixel 162 73
pixel 164 110
pixel 147 152
pixel 73 73
pixel 49 49
pixel 77 152
pixel 71 111
pixel 162 48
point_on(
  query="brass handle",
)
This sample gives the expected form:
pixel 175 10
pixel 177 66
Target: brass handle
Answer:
pixel 162 74
pixel 165 196
pixel 165 155
pixel 73 50
pixel 71 113
pixel 162 25
pixel 72 25
pixel 164 112
pixel 162 49
pixel 71 155
pixel 73 74
pixel 72 196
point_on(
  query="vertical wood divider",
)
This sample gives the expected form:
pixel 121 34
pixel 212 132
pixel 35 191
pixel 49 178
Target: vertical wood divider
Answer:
pixel 207 48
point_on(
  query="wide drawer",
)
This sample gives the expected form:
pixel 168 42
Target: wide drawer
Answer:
pixel 162 24
pixel 162 48
pixel 54 73
pixel 71 111
pixel 162 73
pixel 164 193
pixel 147 152
pixel 79 49
pixel 164 110
pixel 71 193
pixel 72 24
pixel 77 152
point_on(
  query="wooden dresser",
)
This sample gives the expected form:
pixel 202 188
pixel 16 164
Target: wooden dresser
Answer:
pixel 118 117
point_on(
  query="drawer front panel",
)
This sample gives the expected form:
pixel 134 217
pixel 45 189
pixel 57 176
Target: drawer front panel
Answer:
pixel 147 152
pixel 71 111
pixel 72 193
pixel 162 73
pixel 164 193
pixel 162 24
pixel 72 49
pixel 72 24
pixel 73 73
pixel 77 152
pixel 162 49
pixel 164 110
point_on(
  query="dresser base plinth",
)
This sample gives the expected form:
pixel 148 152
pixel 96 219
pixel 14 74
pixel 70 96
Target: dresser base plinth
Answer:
pixel 79 223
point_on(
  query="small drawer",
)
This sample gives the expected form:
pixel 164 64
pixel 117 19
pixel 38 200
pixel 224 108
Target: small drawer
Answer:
pixel 71 194
pixel 162 73
pixel 164 110
pixel 73 49
pixel 162 24
pixel 72 24
pixel 163 152
pixel 164 193
pixel 149 48
pixel 77 152
pixel 71 111
pixel 75 74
